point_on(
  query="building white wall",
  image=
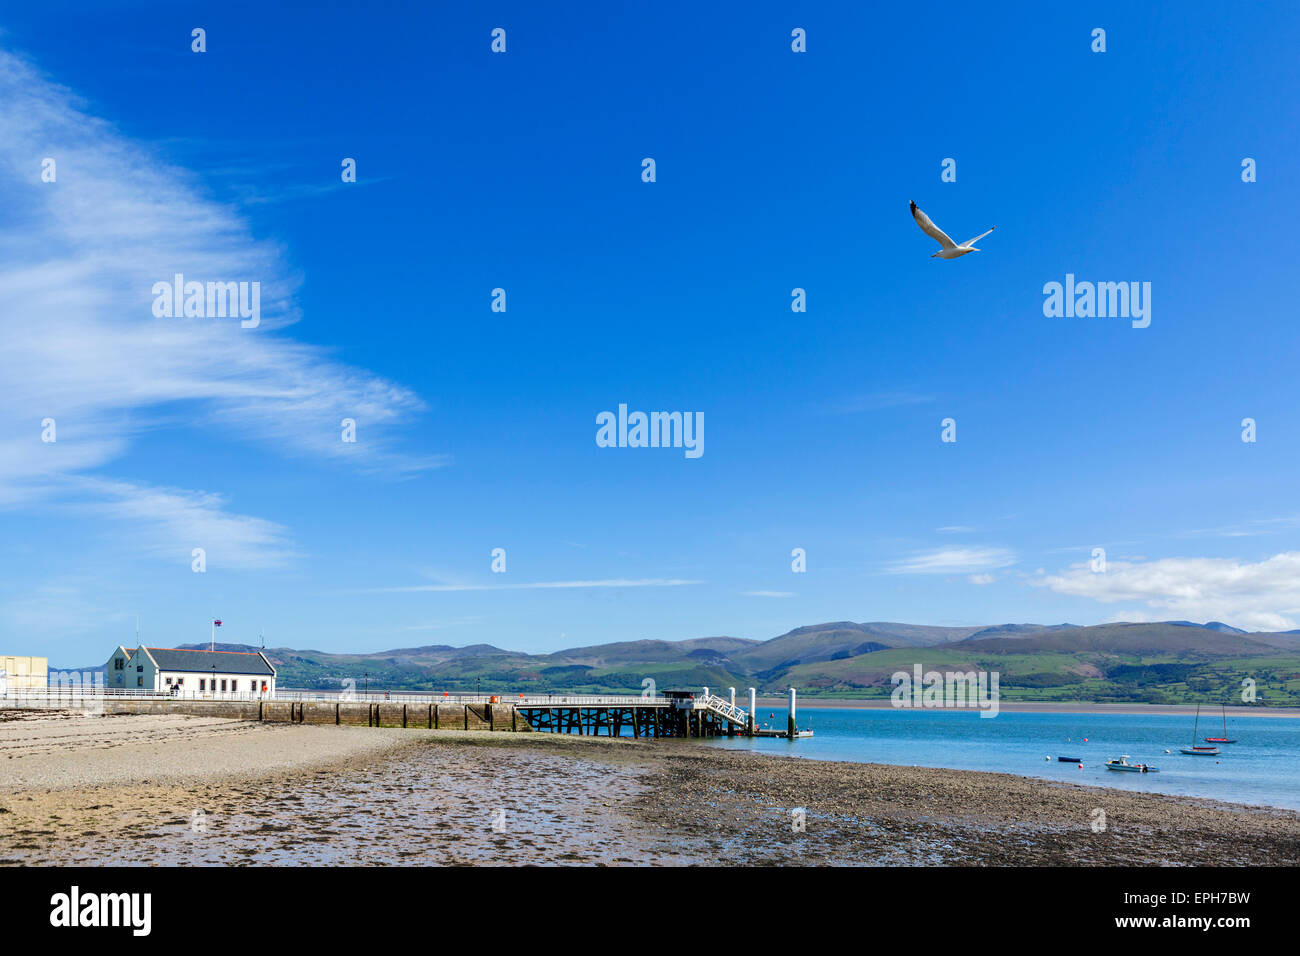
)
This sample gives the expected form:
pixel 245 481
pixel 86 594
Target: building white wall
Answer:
pixel 190 686
pixel 139 672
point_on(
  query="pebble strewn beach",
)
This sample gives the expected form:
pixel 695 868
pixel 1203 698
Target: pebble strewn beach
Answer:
pixel 168 790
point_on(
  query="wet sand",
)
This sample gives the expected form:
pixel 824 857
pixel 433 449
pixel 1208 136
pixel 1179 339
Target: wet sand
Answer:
pixel 57 750
pixel 229 793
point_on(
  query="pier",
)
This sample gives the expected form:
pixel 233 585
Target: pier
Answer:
pixel 684 714
pixel 674 714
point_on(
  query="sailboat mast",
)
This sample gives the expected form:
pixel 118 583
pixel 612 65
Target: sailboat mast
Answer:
pixel 1195 722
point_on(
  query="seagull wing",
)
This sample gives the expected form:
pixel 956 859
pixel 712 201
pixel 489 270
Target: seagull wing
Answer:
pixel 931 230
pixel 971 242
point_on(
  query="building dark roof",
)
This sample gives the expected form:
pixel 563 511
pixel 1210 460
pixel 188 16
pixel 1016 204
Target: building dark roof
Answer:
pixel 225 662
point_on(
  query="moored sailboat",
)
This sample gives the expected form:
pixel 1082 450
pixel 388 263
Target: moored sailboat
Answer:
pixel 1196 750
pixel 1225 739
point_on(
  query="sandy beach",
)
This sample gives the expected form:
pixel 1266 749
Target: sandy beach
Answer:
pixel 155 790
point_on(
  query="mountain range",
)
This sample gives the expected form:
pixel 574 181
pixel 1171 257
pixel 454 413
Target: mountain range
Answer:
pixel 1166 662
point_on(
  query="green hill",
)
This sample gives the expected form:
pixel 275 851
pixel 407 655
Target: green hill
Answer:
pixel 1153 663
pixel 1158 663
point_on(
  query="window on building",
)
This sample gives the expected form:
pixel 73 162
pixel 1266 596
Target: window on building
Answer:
pixel 139 668
pixel 169 682
pixel 223 685
pixel 118 663
pixel 203 683
pixel 139 682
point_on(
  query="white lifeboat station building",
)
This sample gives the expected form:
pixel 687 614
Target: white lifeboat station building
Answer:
pixel 189 673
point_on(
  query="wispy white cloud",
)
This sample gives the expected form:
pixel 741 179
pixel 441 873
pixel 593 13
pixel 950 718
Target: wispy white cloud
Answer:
pixel 172 522
pixel 982 579
pixel 1261 595
pixel 81 346
pixel 954 561
pixel 1247 529
pixel 881 400
pixel 770 594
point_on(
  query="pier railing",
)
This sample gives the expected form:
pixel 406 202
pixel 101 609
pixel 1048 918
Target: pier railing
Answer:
pixel 71 693
pixel 589 700
pixel 730 711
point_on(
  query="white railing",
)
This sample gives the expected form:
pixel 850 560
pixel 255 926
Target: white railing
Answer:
pixel 727 709
pixel 86 697
pixel 388 696
pixel 588 700
pixel 134 693
pixel 427 697
pixel 51 696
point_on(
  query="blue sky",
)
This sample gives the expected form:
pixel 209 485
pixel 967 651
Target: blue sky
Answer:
pixel 476 429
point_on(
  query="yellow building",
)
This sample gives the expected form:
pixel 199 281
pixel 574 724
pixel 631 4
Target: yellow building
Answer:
pixel 21 673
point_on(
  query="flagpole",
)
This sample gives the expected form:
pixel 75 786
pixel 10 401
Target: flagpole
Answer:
pixel 212 645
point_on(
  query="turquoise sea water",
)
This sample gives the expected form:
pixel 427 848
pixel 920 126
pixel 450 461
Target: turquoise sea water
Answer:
pixel 1263 767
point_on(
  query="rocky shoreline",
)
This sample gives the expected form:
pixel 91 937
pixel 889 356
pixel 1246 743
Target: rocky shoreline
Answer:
pixel 225 793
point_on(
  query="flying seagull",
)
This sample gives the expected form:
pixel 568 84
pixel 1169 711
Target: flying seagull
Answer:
pixel 950 249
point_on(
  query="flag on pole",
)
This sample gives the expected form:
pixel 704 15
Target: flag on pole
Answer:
pixel 216 623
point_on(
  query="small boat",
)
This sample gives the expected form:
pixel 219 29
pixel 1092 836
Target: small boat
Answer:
pixel 1196 750
pixel 1225 739
pixel 1070 759
pixel 1123 764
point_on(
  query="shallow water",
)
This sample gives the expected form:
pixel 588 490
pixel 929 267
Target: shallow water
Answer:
pixel 1263 767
